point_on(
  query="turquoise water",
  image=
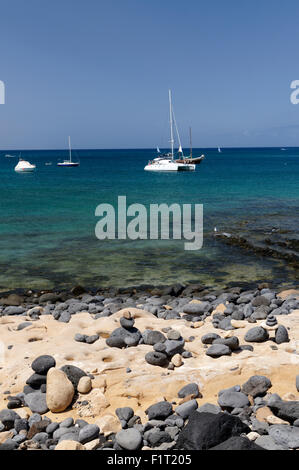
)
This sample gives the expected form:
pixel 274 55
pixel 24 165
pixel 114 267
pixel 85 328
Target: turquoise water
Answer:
pixel 47 230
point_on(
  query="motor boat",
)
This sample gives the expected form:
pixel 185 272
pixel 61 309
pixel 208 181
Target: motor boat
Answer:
pixel 24 167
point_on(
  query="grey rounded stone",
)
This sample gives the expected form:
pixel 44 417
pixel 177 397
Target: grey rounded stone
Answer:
pixel 232 343
pixel 153 337
pixel 218 350
pixel 281 335
pixel 232 400
pixel 256 335
pixel 287 436
pixel 174 346
pixel 156 358
pixel 256 386
pixel 209 338
pixel 196 308
pixel 173 334
pixel 80 338
pixel 190 389
pixel 92 339
pixel 297 383
pixel 159 347
pixel 160 410
pixel 37 402
pixel 40 437
pixel 52 428
pixel 125 413
pixel 129 439
pixel 89 433
pixel 8 417
pixel 127 323
pixel 42 364
pixel 186 408
pixel 66 423
pixel 260 300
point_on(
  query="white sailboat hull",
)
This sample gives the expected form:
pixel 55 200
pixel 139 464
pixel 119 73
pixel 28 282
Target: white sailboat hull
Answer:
pixel 166 165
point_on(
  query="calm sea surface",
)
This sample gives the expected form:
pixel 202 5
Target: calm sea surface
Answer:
pixel 47 219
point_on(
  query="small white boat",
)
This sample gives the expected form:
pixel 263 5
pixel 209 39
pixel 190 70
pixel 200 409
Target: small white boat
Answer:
pixel 48 163
pixel 219 150
pixel 167 162
pixel 68 162
pixel 9 156
pixel 24 167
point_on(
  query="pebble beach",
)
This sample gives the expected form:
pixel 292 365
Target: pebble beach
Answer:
pixel 176 368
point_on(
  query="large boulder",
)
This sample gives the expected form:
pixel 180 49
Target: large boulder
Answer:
pixel 60 390
pixel 206 430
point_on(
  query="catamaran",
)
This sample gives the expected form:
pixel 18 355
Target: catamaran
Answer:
pixel 69 162
pixel 167 162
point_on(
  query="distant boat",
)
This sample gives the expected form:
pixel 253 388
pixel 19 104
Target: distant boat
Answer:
pixel 167 162
pixel 24 167
pixel 190 160
pixel 68 162
pixel 219 150
pixel 283 149
pixel 9 156
pixel 48 163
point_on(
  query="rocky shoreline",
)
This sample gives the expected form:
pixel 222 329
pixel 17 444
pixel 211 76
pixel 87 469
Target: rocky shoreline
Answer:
pixel 150 368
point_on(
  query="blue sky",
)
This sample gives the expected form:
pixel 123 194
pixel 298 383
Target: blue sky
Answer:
pixel 100 71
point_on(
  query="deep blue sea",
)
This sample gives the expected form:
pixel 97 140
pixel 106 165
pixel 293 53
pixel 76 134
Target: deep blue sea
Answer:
pixel 47 228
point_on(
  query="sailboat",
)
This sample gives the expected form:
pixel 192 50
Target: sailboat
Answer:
pixel 219 150
pixel 191 159
pixel 167 162
pixel 68 162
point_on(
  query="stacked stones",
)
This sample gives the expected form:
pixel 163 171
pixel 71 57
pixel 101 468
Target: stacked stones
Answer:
pixel 167 351
pixel 34 392
pixel 126 335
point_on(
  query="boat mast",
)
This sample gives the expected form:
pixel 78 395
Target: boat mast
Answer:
pixel 171 124
pixel 70 150
pixel 190 142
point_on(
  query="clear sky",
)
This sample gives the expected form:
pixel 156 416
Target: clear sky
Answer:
pixel 100 70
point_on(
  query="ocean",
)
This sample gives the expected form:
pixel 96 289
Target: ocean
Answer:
pixel 47 229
